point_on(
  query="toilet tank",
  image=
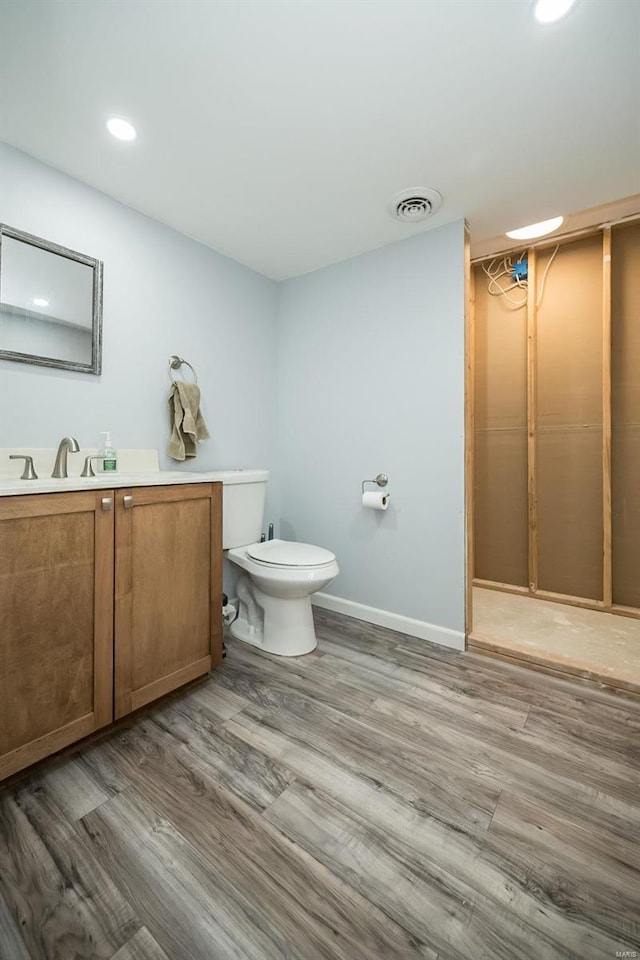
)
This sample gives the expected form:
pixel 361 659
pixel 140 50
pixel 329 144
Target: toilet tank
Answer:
pixel 243 495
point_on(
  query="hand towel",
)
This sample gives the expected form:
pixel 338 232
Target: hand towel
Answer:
pixel 188 426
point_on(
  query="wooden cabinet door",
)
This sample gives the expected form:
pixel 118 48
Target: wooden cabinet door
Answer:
pixel 56 622
pixel 168 590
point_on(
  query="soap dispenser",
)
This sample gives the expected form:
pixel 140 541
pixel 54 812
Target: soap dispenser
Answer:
pixel 108 454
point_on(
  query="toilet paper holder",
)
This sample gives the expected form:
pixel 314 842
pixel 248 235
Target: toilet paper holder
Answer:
pixel 382 480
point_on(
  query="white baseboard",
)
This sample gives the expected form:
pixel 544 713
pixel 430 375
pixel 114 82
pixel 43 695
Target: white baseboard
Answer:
pixel 443 636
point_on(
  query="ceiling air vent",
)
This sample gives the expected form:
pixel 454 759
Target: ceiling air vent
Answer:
pixel 411 206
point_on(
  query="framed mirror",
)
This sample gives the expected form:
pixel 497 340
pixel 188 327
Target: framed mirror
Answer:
pixel 50 304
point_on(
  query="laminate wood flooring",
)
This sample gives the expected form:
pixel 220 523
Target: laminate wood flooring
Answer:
pixel 379 799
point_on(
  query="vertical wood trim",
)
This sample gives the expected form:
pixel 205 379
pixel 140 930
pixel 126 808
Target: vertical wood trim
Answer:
pixel 103 611
pixel 469 426
pixel 607 587
pixel 123 607
pixel 532 489
pixel 216 574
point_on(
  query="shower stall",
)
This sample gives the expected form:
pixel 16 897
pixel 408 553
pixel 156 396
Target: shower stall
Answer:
pixel 554 452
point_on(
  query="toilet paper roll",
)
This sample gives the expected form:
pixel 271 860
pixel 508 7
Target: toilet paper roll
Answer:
pixel 374 500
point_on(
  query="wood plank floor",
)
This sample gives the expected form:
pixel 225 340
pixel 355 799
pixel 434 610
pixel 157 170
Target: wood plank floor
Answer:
pixel 379 799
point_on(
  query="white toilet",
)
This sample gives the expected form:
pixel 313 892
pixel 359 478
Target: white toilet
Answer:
pixel 274 592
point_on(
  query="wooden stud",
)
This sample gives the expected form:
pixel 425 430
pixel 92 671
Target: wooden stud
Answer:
pixel 500 587
pixel 532 492
pixel 607 588
pixel 587 602
pixel 469 426
pixel 564 598
pixel 622 611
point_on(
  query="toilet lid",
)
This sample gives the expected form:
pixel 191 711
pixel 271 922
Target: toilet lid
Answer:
pixel 287 554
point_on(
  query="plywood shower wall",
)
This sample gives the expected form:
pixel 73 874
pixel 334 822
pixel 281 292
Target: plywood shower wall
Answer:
pixel 569 420
pixel 500 438
pixel 625 380
pixel 557 425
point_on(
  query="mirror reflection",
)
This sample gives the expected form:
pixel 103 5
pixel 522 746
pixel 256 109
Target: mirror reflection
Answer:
pixel 50 303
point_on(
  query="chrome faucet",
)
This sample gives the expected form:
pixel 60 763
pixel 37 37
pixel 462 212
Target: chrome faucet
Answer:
pixel 67 445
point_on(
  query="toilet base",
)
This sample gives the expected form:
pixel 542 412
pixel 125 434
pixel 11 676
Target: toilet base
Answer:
pixel 287 628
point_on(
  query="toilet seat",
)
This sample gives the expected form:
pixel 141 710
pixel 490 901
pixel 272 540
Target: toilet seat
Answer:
pixel 285 553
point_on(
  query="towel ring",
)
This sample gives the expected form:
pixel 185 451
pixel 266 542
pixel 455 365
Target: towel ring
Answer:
pixel 176 362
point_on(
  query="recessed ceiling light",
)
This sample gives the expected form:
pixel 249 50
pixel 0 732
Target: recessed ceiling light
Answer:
pixel 121 129
pixel 536 229
pixel 547 11
pixel 40 302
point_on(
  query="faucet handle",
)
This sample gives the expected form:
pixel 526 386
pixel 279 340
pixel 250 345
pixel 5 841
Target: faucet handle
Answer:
pixel 28 473
pixel 87 470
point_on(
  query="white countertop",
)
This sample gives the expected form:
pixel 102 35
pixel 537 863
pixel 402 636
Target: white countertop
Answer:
pixel 10 487
pixel 137 468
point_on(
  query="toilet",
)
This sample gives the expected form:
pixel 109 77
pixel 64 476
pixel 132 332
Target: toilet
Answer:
pixel 278 576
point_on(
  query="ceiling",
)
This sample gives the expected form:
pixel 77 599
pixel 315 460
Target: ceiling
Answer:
pixel 277 132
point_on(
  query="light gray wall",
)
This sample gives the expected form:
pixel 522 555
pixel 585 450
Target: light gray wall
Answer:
pixel 163 294
pixel 368 355
pixel 371 379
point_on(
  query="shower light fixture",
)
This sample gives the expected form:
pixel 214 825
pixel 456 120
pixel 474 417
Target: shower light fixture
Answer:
pixel 121 129
pixel 535 230
pixel 548 11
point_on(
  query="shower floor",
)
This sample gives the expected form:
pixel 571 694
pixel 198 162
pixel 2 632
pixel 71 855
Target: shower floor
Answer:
pixel 585 643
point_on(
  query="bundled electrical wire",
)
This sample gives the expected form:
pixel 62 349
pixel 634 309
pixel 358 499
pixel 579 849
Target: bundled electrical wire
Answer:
pixel 499 268
pixel 544 275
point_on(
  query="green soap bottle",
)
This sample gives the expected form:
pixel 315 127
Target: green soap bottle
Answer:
pixel 108 454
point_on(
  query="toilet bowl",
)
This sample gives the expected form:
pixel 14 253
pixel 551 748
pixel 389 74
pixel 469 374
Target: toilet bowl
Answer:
pixel 278 577
pixel 274 594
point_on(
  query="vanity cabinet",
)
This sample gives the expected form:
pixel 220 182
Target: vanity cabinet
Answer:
pixel 108 600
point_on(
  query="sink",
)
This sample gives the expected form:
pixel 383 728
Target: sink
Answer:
pixel 11 486
pixel 138 467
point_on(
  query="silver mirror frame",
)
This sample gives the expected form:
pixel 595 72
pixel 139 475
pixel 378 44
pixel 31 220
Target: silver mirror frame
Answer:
pixel 95 366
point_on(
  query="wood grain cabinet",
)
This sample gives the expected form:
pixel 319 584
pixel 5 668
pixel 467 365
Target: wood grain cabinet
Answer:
pixel 168 591
pixel 56 622
pixel 62 624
